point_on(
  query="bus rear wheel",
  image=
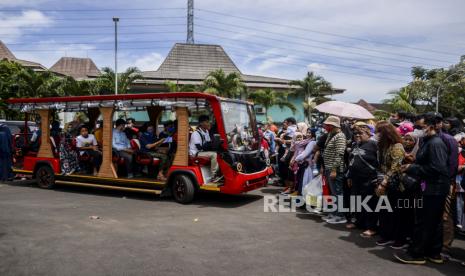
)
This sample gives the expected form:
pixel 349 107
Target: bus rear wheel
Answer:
pixel 183 189
pixel 45 177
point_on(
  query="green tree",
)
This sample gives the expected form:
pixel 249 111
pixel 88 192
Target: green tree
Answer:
pixel 268 97
pixel 106 81
pixel 420 94
pixel 402 99
pixel 71 87
pixel 174 87
pixel 312 86
pixel 224 85
pixel 38 84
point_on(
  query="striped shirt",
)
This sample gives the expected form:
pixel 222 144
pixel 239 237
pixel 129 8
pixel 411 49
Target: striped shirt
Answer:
pixel 333 154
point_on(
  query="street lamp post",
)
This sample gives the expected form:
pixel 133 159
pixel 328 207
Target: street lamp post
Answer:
pixel 116 20
pixel 440 86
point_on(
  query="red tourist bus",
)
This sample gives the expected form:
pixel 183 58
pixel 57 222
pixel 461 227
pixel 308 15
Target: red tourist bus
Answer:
pixel 235 139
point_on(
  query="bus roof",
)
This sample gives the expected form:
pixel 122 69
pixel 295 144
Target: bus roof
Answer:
pixel 119 102
pixel 122 97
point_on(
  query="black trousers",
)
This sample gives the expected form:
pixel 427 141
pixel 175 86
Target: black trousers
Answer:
pixel 428 231
pixel 95 158
pixel 405 213
pixel 364 187
pixel 389 221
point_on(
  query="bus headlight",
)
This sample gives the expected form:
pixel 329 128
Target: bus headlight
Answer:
pixel 267 161
pixel 239 167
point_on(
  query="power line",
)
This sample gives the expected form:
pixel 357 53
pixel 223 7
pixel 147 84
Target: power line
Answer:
pixel 123 18
pixel 327 33
pixel 98 27
pixel 92 10
pixel 323 42
pixel 326 63
pixel 324 48
pixel 93 49
pixel 87 43
pixel 93 34
pixel 332 70
pixel 315 53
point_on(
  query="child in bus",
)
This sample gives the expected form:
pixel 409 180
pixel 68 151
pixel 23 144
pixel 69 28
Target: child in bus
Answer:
pixel 87 144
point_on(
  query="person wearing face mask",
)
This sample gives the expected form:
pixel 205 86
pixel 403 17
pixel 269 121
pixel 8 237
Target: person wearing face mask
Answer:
pixel 449 210
pixel 431 166
pixel 362 176
pixel 419 126
pixel 149 143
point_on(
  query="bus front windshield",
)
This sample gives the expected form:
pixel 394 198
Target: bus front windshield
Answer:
pixel 240 127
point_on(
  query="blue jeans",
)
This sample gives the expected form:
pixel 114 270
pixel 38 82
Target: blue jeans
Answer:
pixel 336 188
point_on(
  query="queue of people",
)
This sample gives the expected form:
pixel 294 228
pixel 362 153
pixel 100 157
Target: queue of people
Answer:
pixel 415 163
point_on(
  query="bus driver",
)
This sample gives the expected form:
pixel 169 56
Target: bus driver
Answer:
pixel 200 145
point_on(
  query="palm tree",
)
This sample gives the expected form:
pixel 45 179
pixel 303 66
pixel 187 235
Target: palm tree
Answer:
pixel 72 87
pixel 419 73
pixel 312 86
pixel 125 80
pixel 38 84
pixel 224 85
pixel 402 99
pixel 268 97
pixel 174 87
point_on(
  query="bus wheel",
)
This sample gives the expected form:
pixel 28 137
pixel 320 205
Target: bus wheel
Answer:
pixel 45 177
pixel 183 189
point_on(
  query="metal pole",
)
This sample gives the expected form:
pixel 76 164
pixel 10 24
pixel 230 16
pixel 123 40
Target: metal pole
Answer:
pixel 116 19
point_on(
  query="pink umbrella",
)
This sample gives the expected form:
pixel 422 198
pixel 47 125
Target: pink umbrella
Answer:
pixel 343 109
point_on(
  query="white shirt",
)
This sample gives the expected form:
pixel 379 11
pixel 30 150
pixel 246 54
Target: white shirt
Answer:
pixel 85 142
pixel 197 139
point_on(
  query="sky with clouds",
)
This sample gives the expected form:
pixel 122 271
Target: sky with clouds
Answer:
pixel 364 46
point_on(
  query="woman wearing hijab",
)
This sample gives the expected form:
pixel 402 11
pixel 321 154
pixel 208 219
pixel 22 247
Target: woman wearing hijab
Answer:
pixel 405 214
pixel 304 159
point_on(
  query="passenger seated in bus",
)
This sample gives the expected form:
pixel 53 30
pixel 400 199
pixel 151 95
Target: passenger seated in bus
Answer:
pixel 200 145
pixel 55 132
pixel 122 146
pixel 35 139
pixel 87 144
pixel 168 130
pixel 149 143
pixel 132 132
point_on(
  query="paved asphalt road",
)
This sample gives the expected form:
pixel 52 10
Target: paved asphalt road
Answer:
pixel 50 232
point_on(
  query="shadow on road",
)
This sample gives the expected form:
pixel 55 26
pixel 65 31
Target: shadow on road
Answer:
pixel 203 199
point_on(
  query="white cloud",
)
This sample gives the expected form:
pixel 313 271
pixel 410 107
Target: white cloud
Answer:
pixel 12 26
pixel 316 67
pixel 149 62
pixel 274 62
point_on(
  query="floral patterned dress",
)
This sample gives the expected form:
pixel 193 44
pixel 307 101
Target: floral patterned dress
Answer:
pixel 68 155
pixel 391 161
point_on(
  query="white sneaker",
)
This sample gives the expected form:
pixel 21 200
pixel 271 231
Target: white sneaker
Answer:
pixel 337 220
pixel 328 217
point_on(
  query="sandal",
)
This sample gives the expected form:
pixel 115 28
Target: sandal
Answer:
pixel 161 178
pixel 351 226
pixel 367 234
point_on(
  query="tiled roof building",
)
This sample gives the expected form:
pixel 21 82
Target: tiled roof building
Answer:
pixel 191 63
pixel 78 68
pixel 5 53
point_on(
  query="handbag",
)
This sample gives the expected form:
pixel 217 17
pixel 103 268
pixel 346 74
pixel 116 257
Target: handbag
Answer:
pixel 411 184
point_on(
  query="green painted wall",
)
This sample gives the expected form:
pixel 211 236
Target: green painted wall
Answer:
pixel 278 115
